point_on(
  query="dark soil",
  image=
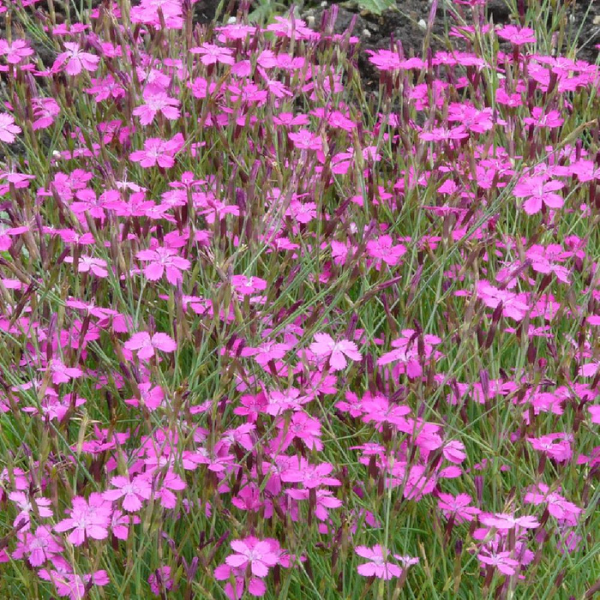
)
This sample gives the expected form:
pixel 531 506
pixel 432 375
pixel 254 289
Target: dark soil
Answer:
pixel 408 25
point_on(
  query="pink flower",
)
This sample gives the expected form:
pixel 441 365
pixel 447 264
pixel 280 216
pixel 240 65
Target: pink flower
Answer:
pixel 89 264
pixel 165 485
pixel 70 584
pixel 44 111
pixel 106 88
pixel 305 428
pixel 505 521
pixel 324 345
pixel 513 305
pixel 87 520
pixel 133 492
pixel 589 369
pixel 310 476
pixel 250 564
pixel 379 565
pixel 555 445
pixel 537 192
pixel 15 52
pixel 25 505
pixel 163 260
pixel 502 561
pixel 517 36
pixel 158 151
pixel 161 581
pixel 61 373
pixel 266 352
pixel 539 118
pixel 119 524
pixel 157 101
pixel 76 60
pixel 560 508
pixel 41 546
pixel 306 140
pixel 246 286
pixel 145 345
pixel 384 249
pixel 458 507
pixel 8 129
pixel 442 134
pixel 254 553
pixel 147 12
pixel 212 54
pixel 595 414
pixel 151 397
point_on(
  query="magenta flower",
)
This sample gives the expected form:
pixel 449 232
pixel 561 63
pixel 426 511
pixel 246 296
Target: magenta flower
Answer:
pixel 76 60
pixel 513 305
pixel 70 584
pixel 158 152
pixel 266 352
pixel 595 414
pixel 146 345
pixel 106 88
pixel 253 553
pixel 517 35
pixel 165 485
pixel 555 445
pixel 384 249
pixel 324 345
pixel 133 492
pixel 539 118
pixel 40 546
pixel 505 521
pixel 15 52
pixel 89 264
pixel 538 192
pixel 211 54
pixel 379 565
pixel 61 373
pixel 163 260
pixel 443 134
pixel 25 506
pixel 590 369
pixel 8 130
pixel 119 524
pixel 44 110
pixel 161 581
pixel 157 102
pixel 151 397
pixel 458 507
pixel 302 427
pixel 310 476
pixel 560 508
pixel 87 519
pixel 501 560
pixel 246 286
pixel 306 140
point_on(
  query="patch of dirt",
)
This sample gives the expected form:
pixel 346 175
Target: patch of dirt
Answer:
pixel 408 25
pixel 587 16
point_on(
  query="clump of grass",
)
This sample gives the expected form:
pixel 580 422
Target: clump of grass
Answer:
pixel 263 334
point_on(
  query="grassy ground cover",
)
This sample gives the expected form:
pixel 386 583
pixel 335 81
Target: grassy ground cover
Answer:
pixel 265 333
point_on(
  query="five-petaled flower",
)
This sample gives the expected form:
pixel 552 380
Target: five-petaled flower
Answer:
pixel 133 492
pixel 8 129
pixel 76 60
pixel 325 345
pixel 87 519
pixel 163 261
pixel 146 344
pixel 158 152
pixel 379 564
